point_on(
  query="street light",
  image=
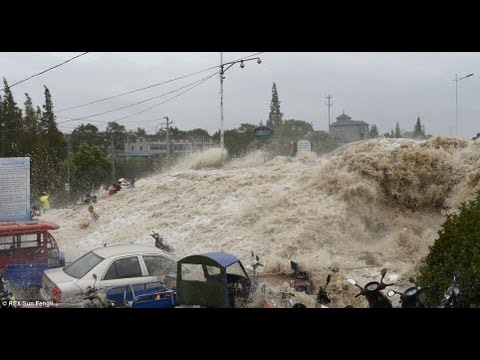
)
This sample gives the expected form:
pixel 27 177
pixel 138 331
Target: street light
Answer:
pixel 222 72
pixel 456 100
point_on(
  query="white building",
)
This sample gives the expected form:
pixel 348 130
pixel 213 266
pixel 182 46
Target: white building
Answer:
pixel 151 147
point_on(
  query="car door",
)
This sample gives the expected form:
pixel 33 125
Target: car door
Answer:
pixel 160 268
pixel 123 271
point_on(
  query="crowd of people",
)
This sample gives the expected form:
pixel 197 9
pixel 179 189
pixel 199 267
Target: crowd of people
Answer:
pixel 90 198
pixel 116 187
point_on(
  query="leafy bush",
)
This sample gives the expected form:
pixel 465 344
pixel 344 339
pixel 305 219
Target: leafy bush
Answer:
pixel 457 249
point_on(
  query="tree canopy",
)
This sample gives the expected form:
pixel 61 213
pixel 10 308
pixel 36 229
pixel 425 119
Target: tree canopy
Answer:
pixel 457 249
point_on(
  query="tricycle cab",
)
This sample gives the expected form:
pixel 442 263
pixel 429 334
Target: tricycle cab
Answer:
pixel 216 280
pixel 26 249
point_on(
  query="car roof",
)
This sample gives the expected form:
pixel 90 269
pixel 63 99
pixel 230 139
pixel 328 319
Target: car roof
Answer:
pixel 9 227
pixel 219 259
pixel 125 249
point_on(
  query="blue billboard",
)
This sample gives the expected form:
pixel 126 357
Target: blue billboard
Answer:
pixel 15 188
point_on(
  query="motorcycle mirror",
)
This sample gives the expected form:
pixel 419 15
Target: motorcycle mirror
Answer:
pixel 391 293
pixel 328 280
pixel 351 281
pixel 95 278
pixel 412 280
pixel 383 272
pixel 294 266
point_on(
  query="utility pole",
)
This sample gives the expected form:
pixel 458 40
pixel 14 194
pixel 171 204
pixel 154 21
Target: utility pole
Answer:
pixel 113 158
pixel 168 136
pixel 329 104
pixel 167 123
pixel 68 170
pixel 221 100
pixel 456 100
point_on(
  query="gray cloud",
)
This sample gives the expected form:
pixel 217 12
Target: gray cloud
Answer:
pixel 379 88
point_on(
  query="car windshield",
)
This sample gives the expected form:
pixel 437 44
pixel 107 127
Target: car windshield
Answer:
pixel 82 265
pixel 236 269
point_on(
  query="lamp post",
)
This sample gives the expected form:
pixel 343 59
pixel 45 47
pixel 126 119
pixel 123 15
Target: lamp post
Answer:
pixel 456 99
pixel 222 77
pixel 168 123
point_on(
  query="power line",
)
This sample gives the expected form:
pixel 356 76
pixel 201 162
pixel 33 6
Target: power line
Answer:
pixel 146 87
pixel 134 104
pixel 163 102
pixel 197 83
pixel 43 72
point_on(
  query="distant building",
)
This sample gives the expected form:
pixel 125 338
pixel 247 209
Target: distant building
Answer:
pixel 346 130
pixel 152 147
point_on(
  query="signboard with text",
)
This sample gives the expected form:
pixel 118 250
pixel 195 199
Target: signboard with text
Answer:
pixel 262 133
pixel 15 188
pixel 304 146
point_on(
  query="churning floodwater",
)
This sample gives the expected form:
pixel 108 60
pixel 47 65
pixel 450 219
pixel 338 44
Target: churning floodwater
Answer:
pixel 367 205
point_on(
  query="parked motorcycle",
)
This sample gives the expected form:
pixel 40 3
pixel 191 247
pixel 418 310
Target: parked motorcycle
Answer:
pixel 372 292
pixel 159 242
pixel 409 298
pixel 322 297
pixel 452 294
pixel 91 298
pixel 302 280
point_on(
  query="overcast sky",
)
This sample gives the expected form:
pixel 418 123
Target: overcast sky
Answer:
pixel 378 88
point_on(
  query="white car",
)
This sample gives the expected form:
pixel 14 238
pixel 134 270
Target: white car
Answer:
pixel 113 266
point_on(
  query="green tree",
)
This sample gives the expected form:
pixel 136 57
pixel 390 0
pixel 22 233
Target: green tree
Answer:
pixel 177 134
pixel 321 143
pixel 198 134
pixel 116 134
pixel 237 142
pixel 11 123
pixel 373 132
pixel 275 118
pixel 56 142
pixel 140 132
pixel 457 249
pixel 91 168
pixel 398 133
pixel 48 117
pixel 293 129
pixel 31 119
pixel 418 132
pixel 88 134
pixel 290 130
pixel 29 140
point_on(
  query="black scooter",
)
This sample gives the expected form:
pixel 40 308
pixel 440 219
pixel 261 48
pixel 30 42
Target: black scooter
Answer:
pixel 409 298
pixel 159 242
pixel 372 292
pixel 302 280
pixel 322 297
pixel 452 294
